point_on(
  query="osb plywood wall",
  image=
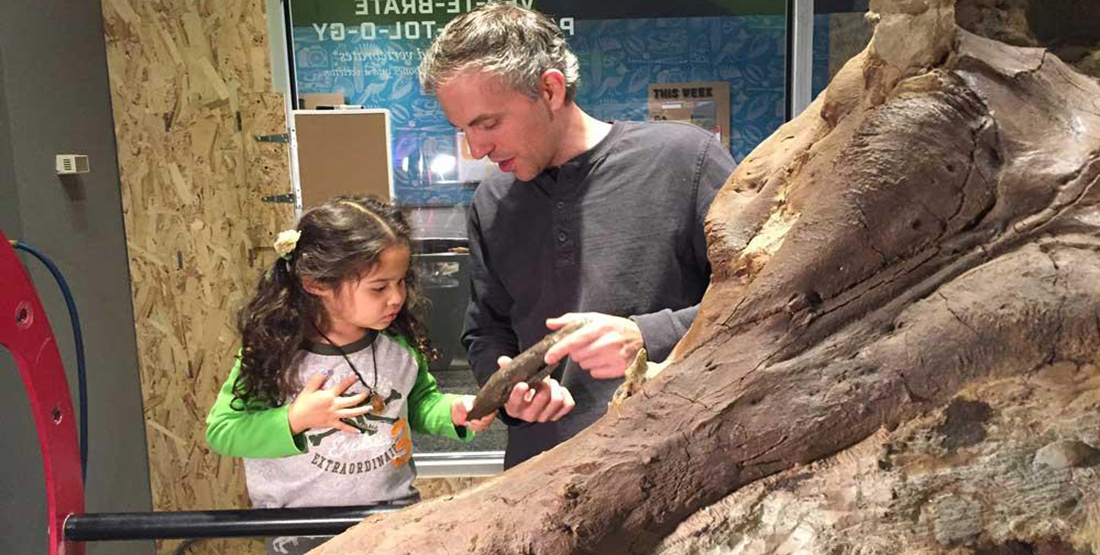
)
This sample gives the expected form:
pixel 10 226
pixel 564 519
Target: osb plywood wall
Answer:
pixel 191 86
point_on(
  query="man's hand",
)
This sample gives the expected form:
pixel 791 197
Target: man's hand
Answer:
pixel 323 408
pixel 462 407
pixel 547 402
pixel 605 346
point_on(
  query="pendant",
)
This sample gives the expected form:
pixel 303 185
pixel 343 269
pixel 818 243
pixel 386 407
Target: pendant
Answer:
pixel 377 404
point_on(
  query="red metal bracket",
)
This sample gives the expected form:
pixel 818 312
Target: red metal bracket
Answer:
pixel 25 332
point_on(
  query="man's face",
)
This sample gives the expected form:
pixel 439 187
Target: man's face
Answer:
pixel 513 130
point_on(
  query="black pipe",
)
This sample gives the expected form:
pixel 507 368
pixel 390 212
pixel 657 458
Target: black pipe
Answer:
pixel 305 521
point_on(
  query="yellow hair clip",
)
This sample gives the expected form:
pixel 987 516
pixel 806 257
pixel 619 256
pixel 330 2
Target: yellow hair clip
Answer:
pixel 286 242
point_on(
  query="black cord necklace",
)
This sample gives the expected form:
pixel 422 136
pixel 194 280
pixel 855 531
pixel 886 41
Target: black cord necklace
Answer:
pixel 372 392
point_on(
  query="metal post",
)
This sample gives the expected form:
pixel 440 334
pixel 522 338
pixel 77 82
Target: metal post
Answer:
pixel 800 56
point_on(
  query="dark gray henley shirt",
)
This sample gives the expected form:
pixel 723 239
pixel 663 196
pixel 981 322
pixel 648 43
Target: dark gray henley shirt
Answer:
pixel 618 229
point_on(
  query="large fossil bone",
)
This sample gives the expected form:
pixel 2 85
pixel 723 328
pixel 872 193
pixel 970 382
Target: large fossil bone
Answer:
pixel 930 223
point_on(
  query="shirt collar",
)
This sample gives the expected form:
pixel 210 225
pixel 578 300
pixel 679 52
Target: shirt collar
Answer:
pixel 582 163
pixel 330 350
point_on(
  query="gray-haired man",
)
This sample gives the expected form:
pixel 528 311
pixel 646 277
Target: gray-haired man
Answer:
pixel 596 220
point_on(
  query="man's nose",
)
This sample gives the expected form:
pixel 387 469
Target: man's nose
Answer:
pixel 479 148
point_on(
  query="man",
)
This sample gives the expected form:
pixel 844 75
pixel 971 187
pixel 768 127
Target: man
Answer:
pixel 596 220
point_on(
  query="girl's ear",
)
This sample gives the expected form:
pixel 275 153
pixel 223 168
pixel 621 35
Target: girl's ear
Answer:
pixel 314 288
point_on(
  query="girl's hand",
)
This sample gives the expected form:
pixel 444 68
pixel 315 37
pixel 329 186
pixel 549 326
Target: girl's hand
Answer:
pixel 323 408
pixel 461 407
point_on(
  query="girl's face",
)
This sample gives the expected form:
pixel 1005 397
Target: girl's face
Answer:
pixel 372 301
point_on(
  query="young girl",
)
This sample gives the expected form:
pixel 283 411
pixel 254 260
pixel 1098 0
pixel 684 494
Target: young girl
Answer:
pixel 331 374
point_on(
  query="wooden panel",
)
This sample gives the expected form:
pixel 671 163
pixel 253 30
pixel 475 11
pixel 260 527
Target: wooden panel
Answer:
pixel 190 85
pixel 342 152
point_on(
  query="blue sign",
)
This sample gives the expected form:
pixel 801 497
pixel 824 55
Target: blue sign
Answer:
pixel 374 64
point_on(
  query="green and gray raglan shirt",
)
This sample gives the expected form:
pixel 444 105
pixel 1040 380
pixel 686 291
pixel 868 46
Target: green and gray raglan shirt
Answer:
pixel 327 467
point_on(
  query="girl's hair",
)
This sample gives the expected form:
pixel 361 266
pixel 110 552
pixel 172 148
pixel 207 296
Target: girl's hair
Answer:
pixel 340 241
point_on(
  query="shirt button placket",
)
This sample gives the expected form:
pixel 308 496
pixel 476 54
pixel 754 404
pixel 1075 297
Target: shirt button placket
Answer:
pixel 563 247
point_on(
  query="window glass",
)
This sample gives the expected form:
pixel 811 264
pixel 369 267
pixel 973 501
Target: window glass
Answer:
pixel 840 32
pixel 718 64
pixel 366 53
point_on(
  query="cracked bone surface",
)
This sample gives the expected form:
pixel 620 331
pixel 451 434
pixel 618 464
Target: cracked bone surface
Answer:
pixel 925 230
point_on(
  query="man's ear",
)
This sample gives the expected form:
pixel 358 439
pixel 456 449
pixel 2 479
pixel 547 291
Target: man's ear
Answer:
pixel 553 88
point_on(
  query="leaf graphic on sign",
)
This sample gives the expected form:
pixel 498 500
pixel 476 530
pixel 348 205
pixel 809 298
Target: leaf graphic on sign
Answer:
pixel 402 89
pixel 639 79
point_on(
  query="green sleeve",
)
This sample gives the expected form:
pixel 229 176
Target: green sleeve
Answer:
pixel 430 409
pixel 257 432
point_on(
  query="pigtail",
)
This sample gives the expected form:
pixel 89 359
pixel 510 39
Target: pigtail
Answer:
pixel 271 328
